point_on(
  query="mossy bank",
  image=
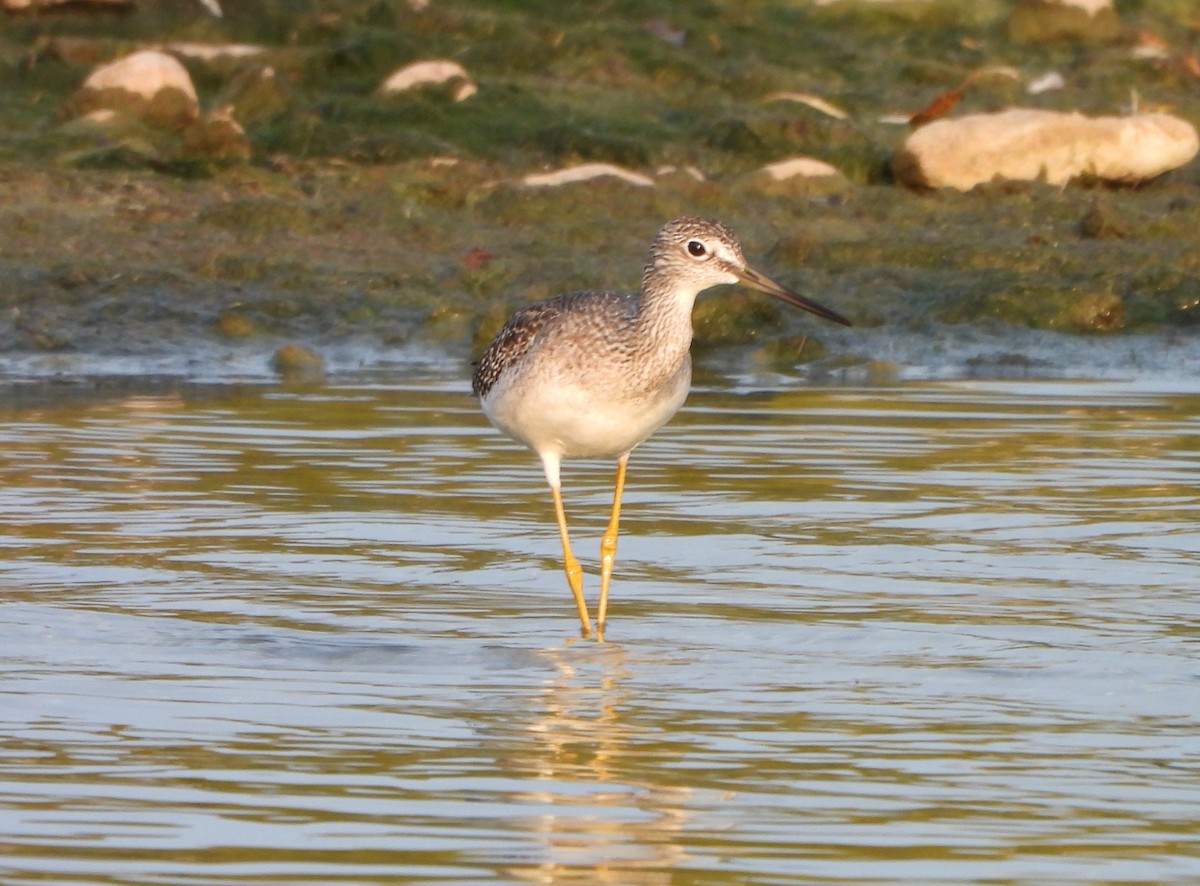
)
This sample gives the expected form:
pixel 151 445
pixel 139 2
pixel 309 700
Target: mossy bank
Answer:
pixel 403 218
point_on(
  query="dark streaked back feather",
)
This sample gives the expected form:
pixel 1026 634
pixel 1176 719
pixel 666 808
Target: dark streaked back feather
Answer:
pixel 518 335
pixel 510 344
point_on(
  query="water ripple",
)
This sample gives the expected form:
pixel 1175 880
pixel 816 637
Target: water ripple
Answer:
pixel 939 632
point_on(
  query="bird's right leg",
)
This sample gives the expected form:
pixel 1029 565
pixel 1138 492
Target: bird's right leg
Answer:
pixel 570 564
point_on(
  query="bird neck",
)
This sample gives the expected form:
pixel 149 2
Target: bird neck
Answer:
pixel 666 300
pixel 664 321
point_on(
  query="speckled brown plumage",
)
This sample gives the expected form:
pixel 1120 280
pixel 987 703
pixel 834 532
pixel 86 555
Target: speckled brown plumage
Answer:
pixel 522 329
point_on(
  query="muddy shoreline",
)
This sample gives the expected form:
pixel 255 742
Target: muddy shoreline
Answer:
pixel 423 245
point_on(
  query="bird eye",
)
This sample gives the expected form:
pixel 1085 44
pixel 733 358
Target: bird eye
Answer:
pixel 696 248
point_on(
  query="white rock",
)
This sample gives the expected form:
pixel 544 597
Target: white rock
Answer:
pixel 813 101
pixel 144 73
pixel 692 172
pixel 800 167
pixel 1048 82
pixel 100 116
pixel 586 172
pixel 209 51
pixel 1151 49
pixel 431 73
pixel 23 5
pixel 1026 144
pixel 465 90
pixel 1091 7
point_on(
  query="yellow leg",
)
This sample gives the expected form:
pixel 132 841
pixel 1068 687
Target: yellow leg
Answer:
pixel 570 564
pixel 608 547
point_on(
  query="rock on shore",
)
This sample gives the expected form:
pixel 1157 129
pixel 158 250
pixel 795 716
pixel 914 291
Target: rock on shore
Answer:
pixel 433 72
pixel 798 177
pixel 148 84
pixel 1025 144
pixel 37 5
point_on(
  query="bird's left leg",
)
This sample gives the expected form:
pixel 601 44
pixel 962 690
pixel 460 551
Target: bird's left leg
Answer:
pixel 608 546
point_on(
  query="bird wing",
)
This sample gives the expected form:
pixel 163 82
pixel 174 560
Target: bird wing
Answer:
pixel 523 328
pixel 511 343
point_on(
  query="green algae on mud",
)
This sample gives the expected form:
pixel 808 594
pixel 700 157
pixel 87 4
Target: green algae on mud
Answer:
pixel 559 82
pixel 402 218
pixel 324 252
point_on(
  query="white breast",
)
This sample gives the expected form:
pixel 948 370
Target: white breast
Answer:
pixel 549 414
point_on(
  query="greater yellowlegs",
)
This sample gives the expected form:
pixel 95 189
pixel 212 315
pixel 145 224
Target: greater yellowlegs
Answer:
pixel 593 374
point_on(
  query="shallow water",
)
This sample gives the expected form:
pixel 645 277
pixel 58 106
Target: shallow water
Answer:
pixel 935 632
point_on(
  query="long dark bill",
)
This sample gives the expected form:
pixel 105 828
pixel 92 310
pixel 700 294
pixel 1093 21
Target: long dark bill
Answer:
pixel 762 282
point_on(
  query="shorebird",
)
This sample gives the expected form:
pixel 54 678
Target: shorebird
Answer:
pixel 592 374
